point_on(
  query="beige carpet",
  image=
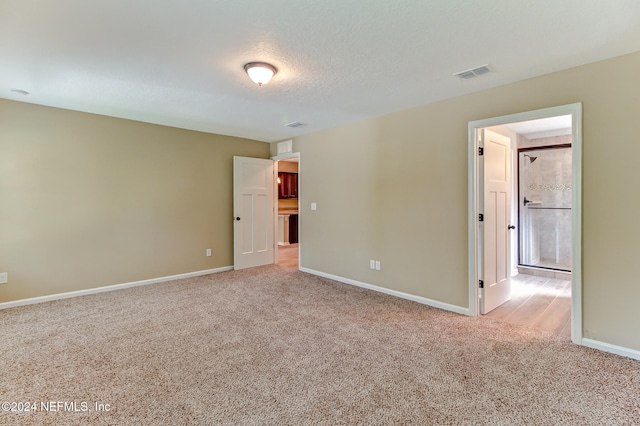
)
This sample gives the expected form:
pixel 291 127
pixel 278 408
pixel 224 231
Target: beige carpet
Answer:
pixel 270 346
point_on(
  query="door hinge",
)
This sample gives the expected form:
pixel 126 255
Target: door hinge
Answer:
pixel 480 284
pixel 480 150
pixel 480 217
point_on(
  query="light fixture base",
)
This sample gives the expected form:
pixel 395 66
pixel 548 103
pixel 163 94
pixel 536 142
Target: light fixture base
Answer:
pixel 260 72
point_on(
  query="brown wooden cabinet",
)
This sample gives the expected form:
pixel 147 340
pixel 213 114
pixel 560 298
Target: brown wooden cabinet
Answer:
pixel 293 229
pixel 288 185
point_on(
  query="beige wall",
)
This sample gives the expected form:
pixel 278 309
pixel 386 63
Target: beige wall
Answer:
pixel 287 166
pixel 88 201
pixel 524 142
pixel 394 189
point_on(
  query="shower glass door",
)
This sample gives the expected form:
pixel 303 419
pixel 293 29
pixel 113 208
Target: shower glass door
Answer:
pixel 545 194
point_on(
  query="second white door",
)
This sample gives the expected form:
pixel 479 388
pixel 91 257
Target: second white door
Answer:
pixel 496 233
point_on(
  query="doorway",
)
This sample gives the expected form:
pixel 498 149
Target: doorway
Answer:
pixel 288 212
pixel 256 211
pixel 568 241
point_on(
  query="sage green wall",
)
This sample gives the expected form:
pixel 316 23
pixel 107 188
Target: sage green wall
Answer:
pixel 88 200
pixel 394 189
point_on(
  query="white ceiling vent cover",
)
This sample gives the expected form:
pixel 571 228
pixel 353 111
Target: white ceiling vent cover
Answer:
pixel 294 124
pixel 473 73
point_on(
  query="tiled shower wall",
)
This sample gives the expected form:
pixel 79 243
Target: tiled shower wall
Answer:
pixel 545 223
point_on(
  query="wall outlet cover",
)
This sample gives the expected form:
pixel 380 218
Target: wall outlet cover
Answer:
pixel 4 277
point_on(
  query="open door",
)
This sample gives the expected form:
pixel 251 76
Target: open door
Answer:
pixel 496 281
pixel 253 204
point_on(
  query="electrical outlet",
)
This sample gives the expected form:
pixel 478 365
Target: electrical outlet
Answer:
pixel 372 264
pixel 377 265
pixel 208 252
pixel 4 277
pixel 314 206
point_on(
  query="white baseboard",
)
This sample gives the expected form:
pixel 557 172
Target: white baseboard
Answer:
pixel 41 299
pixel 606 347
pixel 419 299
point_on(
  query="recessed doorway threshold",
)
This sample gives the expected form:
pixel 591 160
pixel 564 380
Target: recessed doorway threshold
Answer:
pixel 543 272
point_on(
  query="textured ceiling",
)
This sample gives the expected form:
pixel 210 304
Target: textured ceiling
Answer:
pixel 180 62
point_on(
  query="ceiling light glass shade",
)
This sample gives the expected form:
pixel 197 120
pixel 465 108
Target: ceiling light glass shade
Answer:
pixel 260 72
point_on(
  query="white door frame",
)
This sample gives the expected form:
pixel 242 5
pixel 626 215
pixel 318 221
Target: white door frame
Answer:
pixel 575 110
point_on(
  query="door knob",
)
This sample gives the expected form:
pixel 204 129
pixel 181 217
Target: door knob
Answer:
pixel 511 227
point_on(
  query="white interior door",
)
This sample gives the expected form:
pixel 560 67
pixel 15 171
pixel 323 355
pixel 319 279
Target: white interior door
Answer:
pixel 496 244
pixel 253 212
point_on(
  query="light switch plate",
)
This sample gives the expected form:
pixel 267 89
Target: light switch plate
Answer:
pixel 372 264
pixel 377 265
pixel 313 206
pixel 4 277
pixel 208 252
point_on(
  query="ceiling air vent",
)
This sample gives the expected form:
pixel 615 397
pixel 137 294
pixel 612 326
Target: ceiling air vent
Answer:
pixel 473 73
pixel 294 124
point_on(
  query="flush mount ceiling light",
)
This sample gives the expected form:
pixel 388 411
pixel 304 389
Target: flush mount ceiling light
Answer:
pixel 260 72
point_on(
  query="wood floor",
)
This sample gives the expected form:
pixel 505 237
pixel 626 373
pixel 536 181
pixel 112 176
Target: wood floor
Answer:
pixel 538 302
pixel 288 256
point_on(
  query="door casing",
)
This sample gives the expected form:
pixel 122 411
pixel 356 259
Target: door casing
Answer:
pixel 474 250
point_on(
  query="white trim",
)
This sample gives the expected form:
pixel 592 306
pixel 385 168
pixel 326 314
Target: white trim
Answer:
pixel 575 110
pixel 51 297
pixel 276 208
pixel 422 300
pixel 607 347
pixel 472 229
pixel 576 225
pixel 286 156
